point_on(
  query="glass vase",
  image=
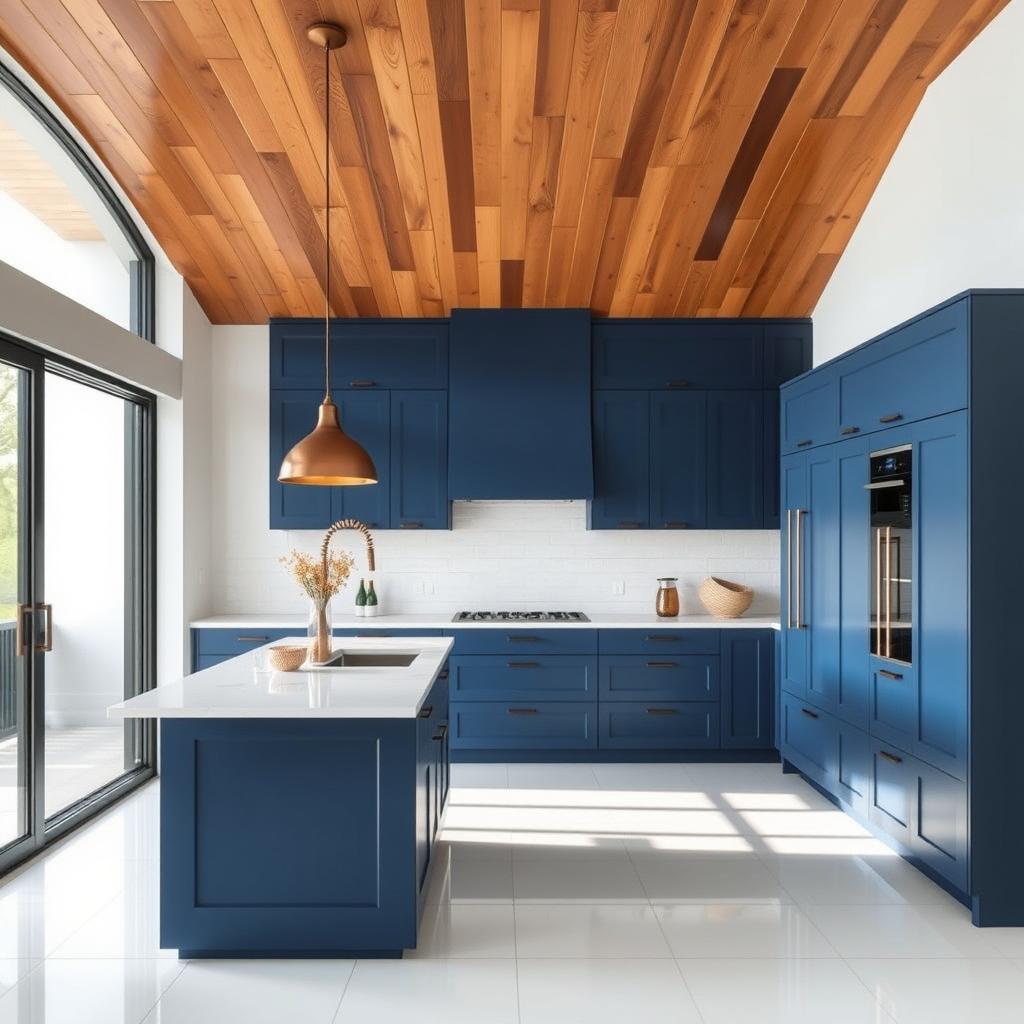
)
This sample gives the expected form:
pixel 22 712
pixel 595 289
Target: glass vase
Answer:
pixel 319 631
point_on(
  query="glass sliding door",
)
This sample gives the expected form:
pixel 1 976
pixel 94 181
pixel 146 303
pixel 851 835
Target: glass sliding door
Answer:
pixel 76 606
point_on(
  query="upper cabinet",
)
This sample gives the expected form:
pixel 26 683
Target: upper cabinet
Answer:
pixel 519 404
pixel 365 354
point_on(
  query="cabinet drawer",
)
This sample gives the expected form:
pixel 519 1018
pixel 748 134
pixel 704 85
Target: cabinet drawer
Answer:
pixel 636 677
pixel 892 791
pixel 916 372
pixel 523 725
pixel 810 740
pixel 894 702
pixel 673 353
pixel 238 641
pixel 643 725
pixel 564 677
pixel 209 660
pixel 809 412
pixel 523 641
pixel 658 641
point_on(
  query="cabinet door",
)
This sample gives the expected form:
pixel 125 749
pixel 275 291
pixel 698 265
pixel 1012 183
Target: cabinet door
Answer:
pixel 854 575
pixel 621 460
pixel 772 453
pixel 419 460
pixel 372 353
pixel 787 351
pixel 365 416
pixel 678 459
pixel 292 417
pixel 735 426
pixel 747 685
pixel 809 411
pixel 794 638
pixel 819 609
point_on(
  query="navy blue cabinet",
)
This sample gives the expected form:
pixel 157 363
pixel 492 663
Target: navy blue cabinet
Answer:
pixel 747 688
pixel 622 468
pixel 787 350
pixel 419 462
pixel 679 459
pixel 519 404
pixel 735 460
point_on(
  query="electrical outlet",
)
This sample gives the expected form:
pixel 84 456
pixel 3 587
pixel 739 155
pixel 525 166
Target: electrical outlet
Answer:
pixel 427 587
pixel 618 588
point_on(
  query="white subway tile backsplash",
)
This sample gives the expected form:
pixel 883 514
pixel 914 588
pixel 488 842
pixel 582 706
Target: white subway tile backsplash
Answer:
pixel 514 555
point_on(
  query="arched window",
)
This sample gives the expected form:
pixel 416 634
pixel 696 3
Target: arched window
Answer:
pixel 61 222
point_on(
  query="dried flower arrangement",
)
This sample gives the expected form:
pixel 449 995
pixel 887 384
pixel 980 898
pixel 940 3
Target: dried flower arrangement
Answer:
pixel 321 579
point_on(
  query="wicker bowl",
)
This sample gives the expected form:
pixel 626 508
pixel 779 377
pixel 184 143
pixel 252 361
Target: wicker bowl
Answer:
pixel 725 599
pixel 287 659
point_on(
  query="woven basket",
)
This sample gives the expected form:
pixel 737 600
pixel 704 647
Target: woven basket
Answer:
pixel 287 659
pixel 724 599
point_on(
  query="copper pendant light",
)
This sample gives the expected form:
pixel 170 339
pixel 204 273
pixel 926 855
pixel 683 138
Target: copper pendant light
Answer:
pixel 327 456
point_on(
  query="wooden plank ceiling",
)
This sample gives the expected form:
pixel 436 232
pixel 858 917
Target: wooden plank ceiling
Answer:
pixel 30 181
pixel 642 157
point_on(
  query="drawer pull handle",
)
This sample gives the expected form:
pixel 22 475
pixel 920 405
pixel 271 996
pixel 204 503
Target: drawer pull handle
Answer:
pixel 850 430
pixel 629 524
pixel 253 639
pixel 890 757
pixel 805 443
pixel 669 639
pixel 522 711
pixel 427 711
pixel 885 673
pixel 522 664
pixel 513 639
pixel 443 674
pixel 442 731
pixel 662 711
pixel 410 526
pixel 663 664
pixel 678 383
pixel 809 714
pixel 362 383
pixel 677 526
pixel 893 417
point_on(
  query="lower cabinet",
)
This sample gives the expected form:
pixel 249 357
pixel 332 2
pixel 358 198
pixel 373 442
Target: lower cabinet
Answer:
pixel 663 689
pixel 431 774
pixel 922 808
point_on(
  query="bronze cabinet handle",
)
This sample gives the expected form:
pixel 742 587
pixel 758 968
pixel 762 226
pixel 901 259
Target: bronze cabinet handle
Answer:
pixel 890 675
pixel 677 525
pixel 663 664
pixel 805 443
pixel 427 711
pixel 522 711
pixel 512 638
pixel 809 714
pixel 670 639
pixel 890 757
pixel 522 664
pixel 677 384
pixel 362 383
pixel 252 639
pixel 662 711
pixel 442 731
pixel 850 430
pixel 410 525
pixel 629 524
pixel 893 417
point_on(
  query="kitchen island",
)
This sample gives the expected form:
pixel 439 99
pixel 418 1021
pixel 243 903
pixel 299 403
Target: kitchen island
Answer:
pixel 299 810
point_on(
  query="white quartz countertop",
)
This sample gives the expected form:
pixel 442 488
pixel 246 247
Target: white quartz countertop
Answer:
pixel 234 689
pixel 444 621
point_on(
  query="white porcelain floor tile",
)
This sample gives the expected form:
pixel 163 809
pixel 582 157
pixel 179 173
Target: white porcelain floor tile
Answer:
pixel 479 776
pixel 909 882
pixel 588 931
pixel 253 992
pixel 640 777
pixel 681 877
pixel 943 992
pixel 568 875
pixel 780 992
pixel 902 931
pixel 1007 941
pixel 124 929
pixel 603 992
pixel 13 970
pixel 33 926
pixel 465 930
pixel 88 992
pixel 470 873
pixel 733 930
pixel 429 992
pixel 551 776
pixel 832 880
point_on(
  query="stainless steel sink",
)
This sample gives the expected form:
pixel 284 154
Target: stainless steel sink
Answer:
pixel 370 659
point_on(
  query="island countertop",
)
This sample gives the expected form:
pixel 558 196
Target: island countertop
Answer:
pixel 234 689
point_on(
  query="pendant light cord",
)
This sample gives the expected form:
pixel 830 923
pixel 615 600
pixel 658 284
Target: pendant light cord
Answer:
pixel 327 261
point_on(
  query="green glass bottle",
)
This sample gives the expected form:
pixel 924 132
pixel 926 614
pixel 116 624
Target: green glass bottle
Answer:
pixel 361 598
pixel 371 599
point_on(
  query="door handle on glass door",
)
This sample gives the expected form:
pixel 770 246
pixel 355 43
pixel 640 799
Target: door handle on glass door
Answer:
pixel 47 644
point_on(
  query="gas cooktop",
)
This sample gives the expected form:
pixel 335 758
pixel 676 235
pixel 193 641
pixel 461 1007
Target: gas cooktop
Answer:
pixel 520 617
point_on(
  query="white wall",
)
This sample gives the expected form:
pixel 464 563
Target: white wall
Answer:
pixel 948 213
pixel 499 554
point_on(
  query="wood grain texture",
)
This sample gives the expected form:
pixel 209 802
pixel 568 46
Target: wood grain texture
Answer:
pixel 642 157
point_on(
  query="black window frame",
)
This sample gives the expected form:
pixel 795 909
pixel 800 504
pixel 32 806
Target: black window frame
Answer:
pixel 141 269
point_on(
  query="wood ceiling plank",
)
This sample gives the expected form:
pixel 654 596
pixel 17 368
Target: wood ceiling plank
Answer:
pixel 448 33
pixel 590 54
pixel 556 284
pixel 457 144
pixel 408 289
pixel 425 253
pixel 354 56
pixel 558 22
pixel 488 236
pixel 511 283
pixel 484 57
pixel 728 262
pixel 519 33
pixel 620 219
pixel 597 204
pixel 234 79
pixel 210 228
pixel 207 27
pixel 29 43
pixel 419 47
pixel 545 155
pixel 344 245
pixel 467 276
pixel 959 36
pixel 694 286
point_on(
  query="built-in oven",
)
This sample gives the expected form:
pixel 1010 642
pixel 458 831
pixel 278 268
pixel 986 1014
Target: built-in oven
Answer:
pixel 892 553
